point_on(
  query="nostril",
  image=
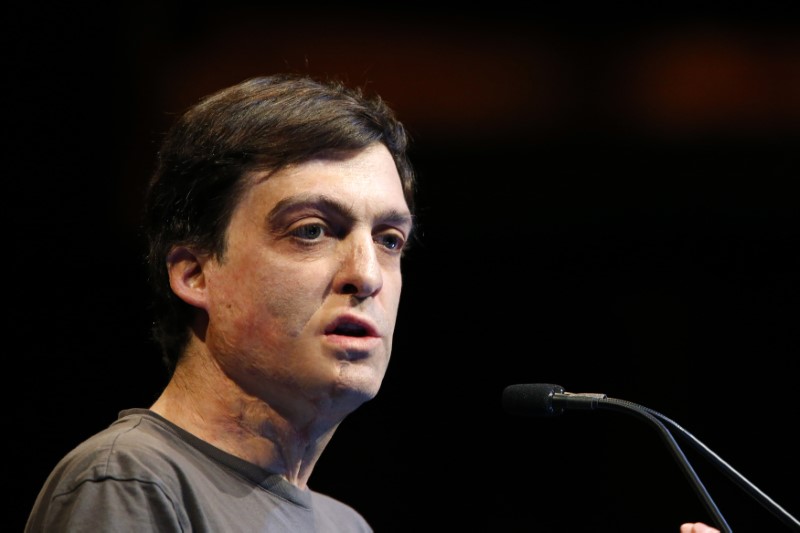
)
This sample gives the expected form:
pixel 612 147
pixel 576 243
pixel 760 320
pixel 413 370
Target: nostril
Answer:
pixel 349 288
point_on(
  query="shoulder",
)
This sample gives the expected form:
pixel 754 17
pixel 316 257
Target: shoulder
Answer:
pixel 136 458
pixel 136 446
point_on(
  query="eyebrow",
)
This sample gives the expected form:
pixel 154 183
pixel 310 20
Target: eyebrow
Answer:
pixel 392 217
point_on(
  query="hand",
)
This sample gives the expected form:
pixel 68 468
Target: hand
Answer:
pixel 697 527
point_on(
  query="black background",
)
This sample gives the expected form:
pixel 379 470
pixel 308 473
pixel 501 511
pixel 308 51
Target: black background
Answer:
pixel 607 202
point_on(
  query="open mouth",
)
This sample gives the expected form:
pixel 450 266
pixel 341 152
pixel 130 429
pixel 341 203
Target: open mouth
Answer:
pixel 350 327
pixel 350 330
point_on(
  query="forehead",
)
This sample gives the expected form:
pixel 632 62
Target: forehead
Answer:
pixel 366 181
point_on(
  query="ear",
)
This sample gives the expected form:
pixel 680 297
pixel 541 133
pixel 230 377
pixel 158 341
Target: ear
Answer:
pixel 185 268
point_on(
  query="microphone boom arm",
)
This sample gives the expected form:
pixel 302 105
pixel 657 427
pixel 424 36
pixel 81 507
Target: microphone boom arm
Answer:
pixel 595 401
pixel 728 470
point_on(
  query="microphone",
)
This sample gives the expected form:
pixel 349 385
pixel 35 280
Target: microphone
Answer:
pixel 545 400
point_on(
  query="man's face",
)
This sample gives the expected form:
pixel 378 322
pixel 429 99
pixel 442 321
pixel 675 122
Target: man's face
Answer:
pixel 302 306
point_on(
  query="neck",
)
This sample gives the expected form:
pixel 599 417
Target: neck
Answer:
pixel 204 401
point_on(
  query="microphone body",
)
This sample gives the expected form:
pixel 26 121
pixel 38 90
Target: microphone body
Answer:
pixel 546 399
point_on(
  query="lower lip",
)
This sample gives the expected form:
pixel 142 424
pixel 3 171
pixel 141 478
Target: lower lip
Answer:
pixel 353 344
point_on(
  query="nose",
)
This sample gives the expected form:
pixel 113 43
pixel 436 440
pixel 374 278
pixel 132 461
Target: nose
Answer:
pixel 360 270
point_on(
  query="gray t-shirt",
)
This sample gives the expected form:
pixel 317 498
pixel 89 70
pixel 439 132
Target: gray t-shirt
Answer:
pixel 143 473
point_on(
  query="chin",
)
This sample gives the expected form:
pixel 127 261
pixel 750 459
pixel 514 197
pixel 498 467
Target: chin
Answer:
pixel 358 383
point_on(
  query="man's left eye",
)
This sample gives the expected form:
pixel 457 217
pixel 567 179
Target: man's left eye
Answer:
pixel 392 242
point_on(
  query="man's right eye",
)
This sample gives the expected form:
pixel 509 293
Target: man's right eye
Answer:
pixel 309 231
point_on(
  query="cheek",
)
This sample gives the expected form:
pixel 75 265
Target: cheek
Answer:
pixel 259 302
pixel 288 306
pixel 392 287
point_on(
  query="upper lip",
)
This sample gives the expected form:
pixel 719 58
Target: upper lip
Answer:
pixel 349 324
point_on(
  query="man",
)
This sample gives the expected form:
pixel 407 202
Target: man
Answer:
pixel 276 220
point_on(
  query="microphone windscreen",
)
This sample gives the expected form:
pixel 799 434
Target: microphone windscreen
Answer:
pixel 531 399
